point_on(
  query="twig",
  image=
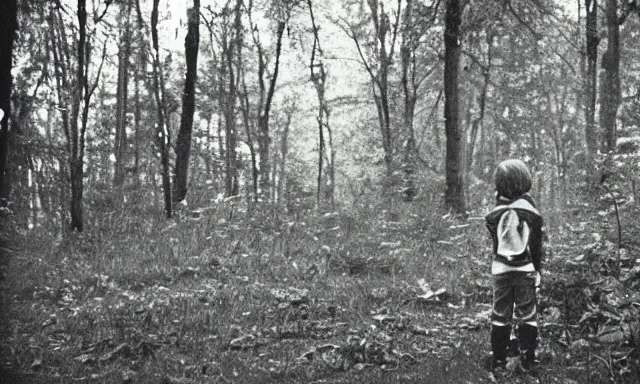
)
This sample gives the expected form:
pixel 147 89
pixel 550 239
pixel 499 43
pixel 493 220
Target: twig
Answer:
pixel 615 205
pixel 513 12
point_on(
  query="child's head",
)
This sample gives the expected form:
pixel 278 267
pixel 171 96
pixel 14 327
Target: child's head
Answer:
pixel 512 179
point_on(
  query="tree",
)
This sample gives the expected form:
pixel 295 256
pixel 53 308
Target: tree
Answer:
pixel 266 92
pixel 592 42
pixel 183 141
pixel 319 80
pixel 379 67
pixel 8 29
pixel 163 136
pixel 417 20
pixel 231 42
pixel 610 94
pixel 454 195
pixel 77 90
pixel 610 91
pixel 124 50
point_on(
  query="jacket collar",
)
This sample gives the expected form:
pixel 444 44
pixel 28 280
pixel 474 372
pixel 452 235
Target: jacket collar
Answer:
pixel 520 203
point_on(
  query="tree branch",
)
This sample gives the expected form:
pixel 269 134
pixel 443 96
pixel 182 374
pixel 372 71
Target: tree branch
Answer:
pixel 630 7
pixel 513 12
pixel 364 61
pixel 97 19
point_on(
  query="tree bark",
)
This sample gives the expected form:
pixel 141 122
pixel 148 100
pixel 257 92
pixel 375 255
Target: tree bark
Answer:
pixel 264 139
pixel 8 29
pixel 163 131
pixel 454 195
pixel 319 80
pixel 248 129
pixel 379 72
pixel 183 141
pixel 610 85
pixel 76 158
pixel 592 40
pixel 120 149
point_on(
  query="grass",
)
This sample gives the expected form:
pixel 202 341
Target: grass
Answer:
pixel 262 298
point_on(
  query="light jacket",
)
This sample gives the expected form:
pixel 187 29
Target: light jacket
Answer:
pixel 530 260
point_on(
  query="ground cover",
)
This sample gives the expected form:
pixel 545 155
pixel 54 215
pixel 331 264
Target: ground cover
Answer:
pixel 360 296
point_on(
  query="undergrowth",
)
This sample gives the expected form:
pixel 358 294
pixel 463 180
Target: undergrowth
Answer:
pixel 226 295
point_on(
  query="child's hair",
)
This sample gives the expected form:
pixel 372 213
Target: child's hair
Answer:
pixel 512 179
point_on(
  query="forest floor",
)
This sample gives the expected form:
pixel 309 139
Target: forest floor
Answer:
pixel 400 295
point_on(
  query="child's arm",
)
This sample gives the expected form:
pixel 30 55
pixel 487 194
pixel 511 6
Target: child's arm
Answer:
pixel 535 245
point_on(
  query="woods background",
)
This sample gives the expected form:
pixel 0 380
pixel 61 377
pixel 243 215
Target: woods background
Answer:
pixel 232 150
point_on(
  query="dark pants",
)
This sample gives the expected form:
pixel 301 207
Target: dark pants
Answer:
pixel 514 299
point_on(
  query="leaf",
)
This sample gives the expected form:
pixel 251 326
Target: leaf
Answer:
pixel 242 342
pixel 37 363
pixel 50 321
pixel 420 330
pixel 123 350
pixel 579 345
pixel 85 358
pixel 383 318
pixel 430 295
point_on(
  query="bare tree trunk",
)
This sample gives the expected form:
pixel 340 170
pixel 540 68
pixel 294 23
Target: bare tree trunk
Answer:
pixel 454 195
pixel 8 28
pixel 228 99
pixel 76 162
pixel 319 79
pixel 264 109
pixel 163 131
pixel 284 149
pixel 249 128
pixel 379 71
pixel 183 141
pixel 120 149
pixel 478 123
pixel 592 40
pixel 137 116
pixel 610 86
pixel 410 89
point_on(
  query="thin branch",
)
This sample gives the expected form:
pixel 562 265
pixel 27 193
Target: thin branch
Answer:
pixel 364 61
pixel 95 84
pixel 431 114
pixel 475 59
pixel 631 6
pixel 426 75
pixel 97 19
pixel 395 30
pixel 513 12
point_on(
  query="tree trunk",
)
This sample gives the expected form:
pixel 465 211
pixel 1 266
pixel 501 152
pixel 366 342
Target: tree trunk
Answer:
pixel 249 128
pixel 284 149
pixel 409 87
pixel 120 149
pixel 136 122
pixel 183 141
pixel 163 131
pixel 8 28
pixel 264 138
pixel 610 85
pixel 76 158
pixel 592 40
pixel 228 99
pixel 454 195
pixel 477 124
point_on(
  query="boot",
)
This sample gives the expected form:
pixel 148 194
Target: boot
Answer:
pixel 499 342
pixel 528 340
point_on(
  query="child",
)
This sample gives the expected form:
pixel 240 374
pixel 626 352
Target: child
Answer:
pixel 516 230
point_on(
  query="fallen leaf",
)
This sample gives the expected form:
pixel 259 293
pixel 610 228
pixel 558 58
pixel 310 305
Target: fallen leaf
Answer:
pixel 432 295
pixel 85 358
pixel 123 349
pixel 37 363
